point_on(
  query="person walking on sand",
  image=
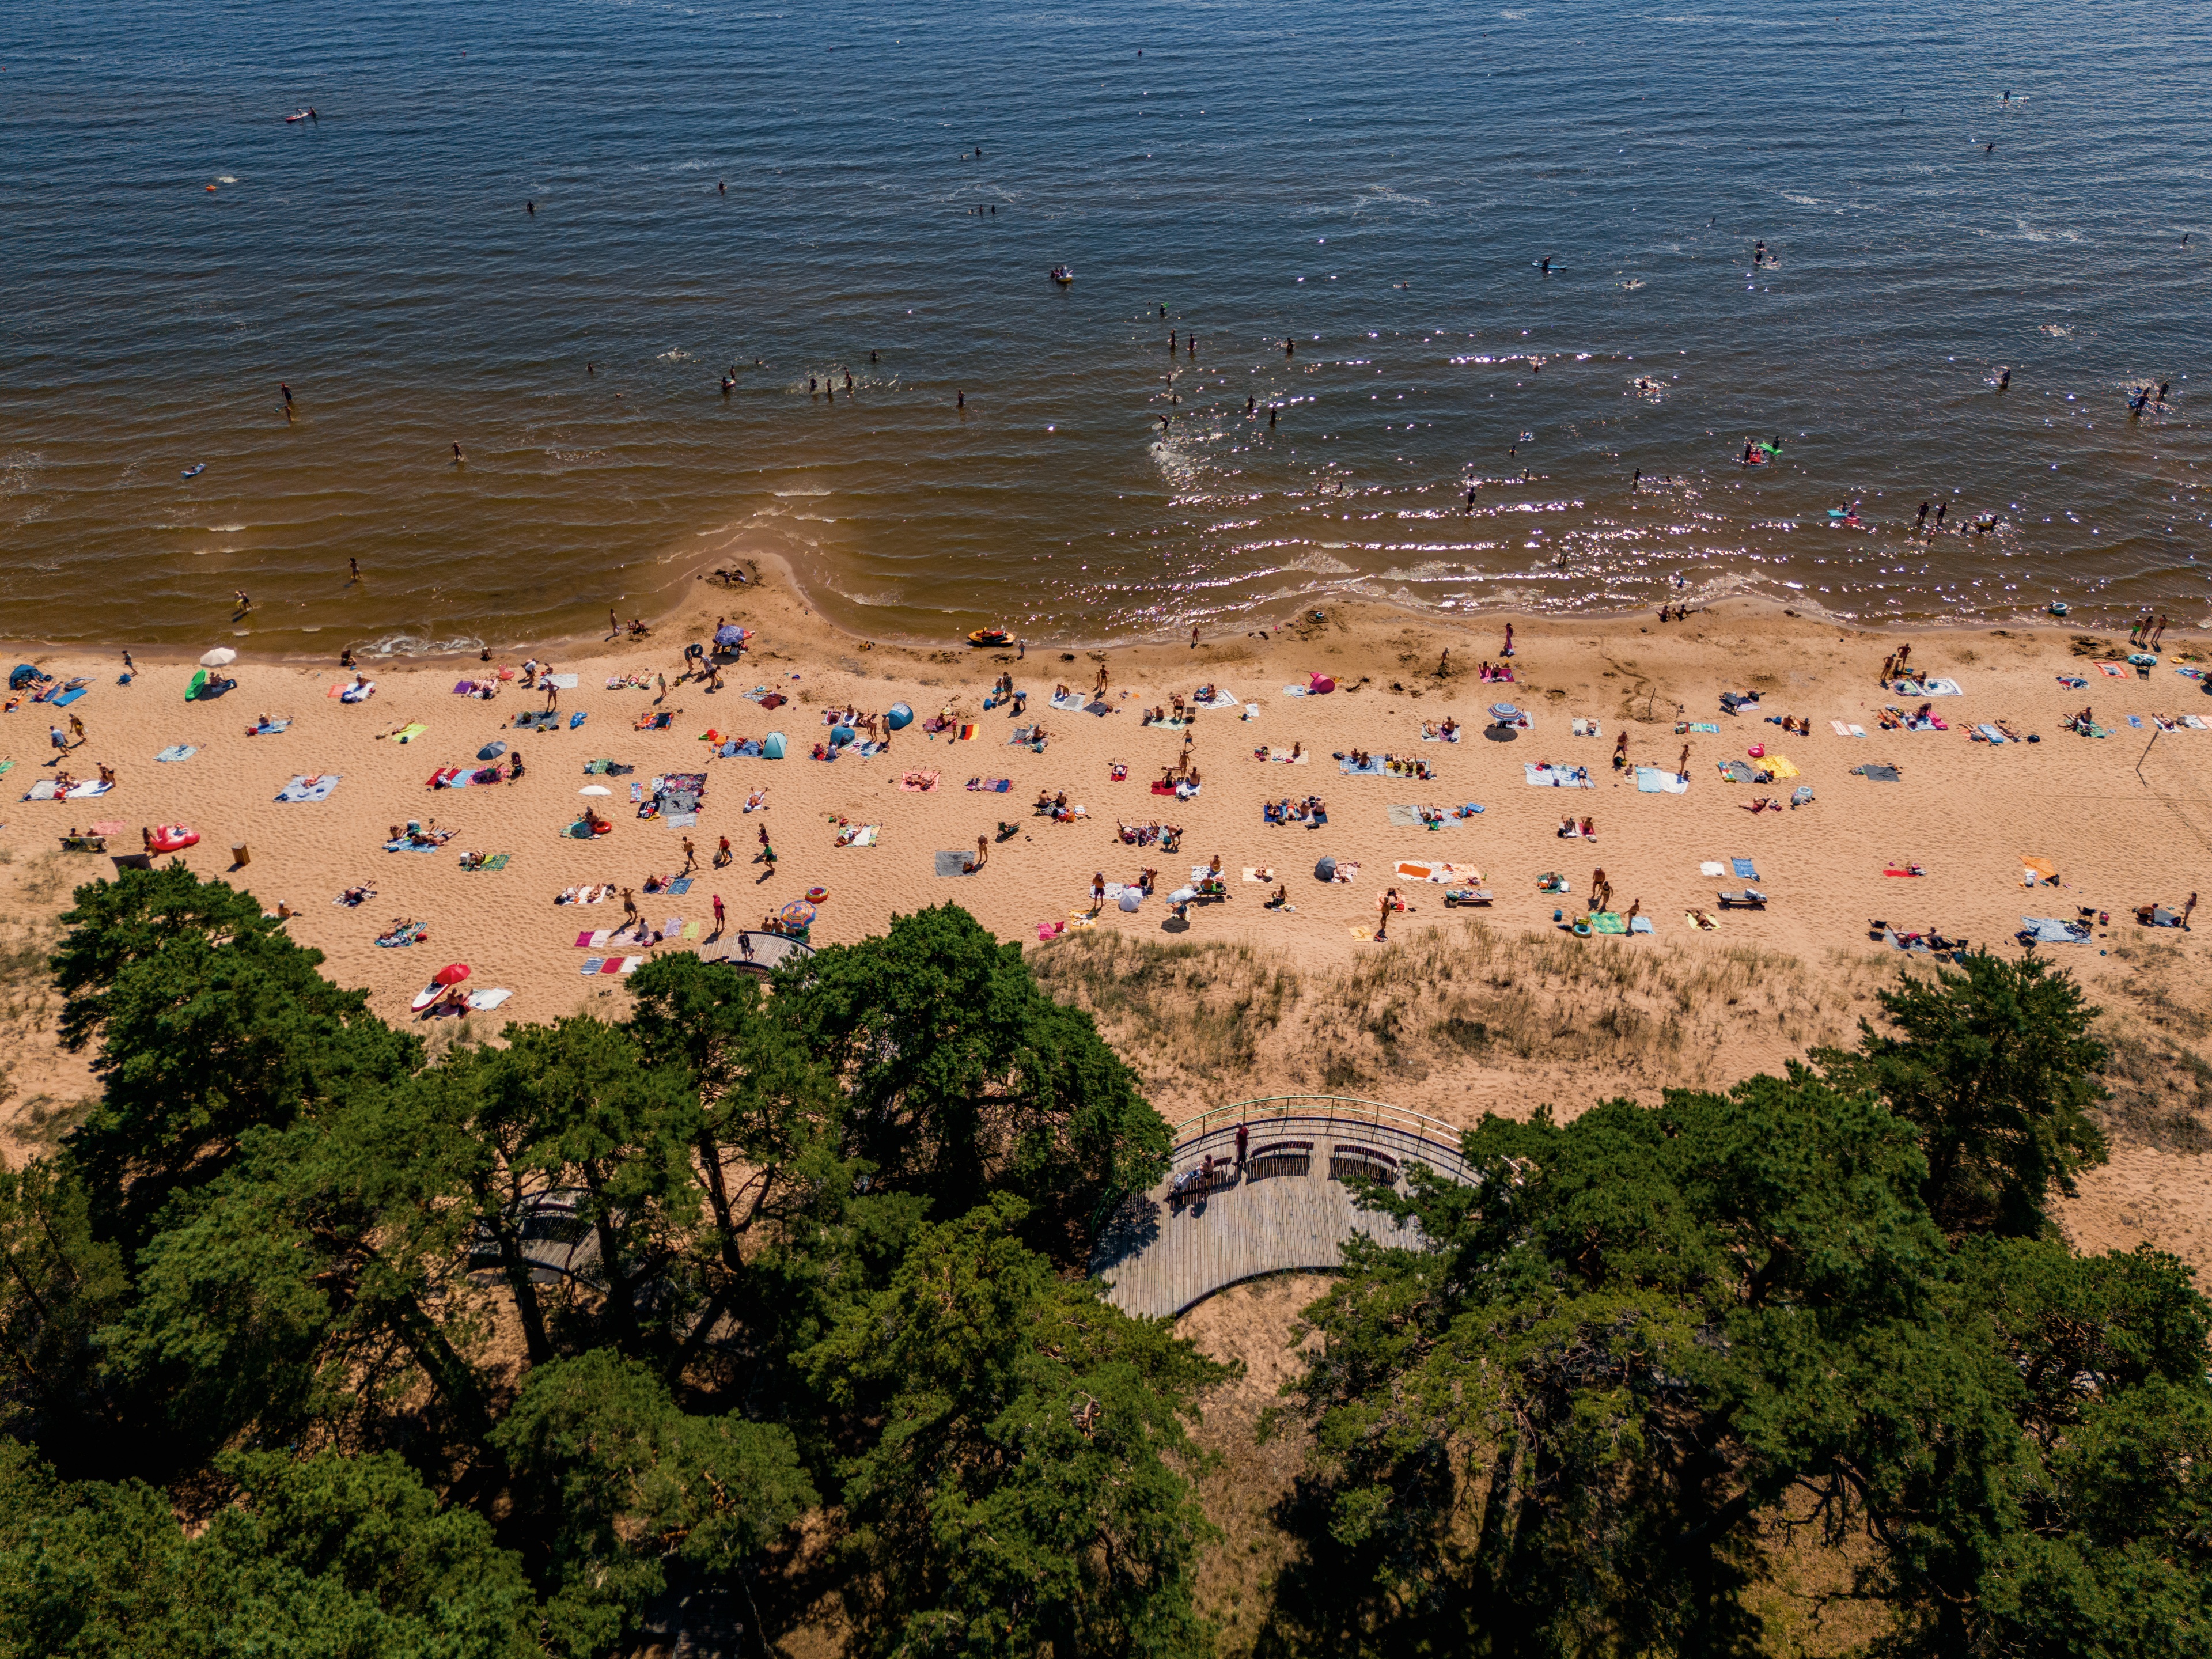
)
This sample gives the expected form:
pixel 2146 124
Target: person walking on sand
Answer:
pixel 76 731
pixel 718 914
pixel 2185 910
pixel 2158 634
pixel 723 854
pixel 690 856
pixel 970 867
pixel 1097 891
pixel 1508 651
pixel 766 852
pixel 1682 765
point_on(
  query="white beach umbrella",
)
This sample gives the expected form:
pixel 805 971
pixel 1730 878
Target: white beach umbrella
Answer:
pixel 222 657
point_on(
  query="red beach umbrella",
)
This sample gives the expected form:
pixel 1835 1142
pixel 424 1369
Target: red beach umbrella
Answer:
pixel 453 973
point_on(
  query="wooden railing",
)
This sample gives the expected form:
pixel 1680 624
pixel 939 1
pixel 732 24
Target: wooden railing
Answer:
pixel 1391 1129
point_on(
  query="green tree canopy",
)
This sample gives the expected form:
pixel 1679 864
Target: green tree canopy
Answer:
pixel 963 1076
pixel 1025 1493
pixel 1997 1069
pixel 621 1482
pixel 341 1557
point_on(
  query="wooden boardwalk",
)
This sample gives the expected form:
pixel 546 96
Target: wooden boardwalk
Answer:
pixel 1287 1209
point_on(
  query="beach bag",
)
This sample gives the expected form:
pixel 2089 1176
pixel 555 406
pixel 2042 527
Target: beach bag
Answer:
pixel 772 746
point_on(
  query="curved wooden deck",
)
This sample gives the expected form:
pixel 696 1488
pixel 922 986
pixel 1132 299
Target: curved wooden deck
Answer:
pixel 1287 1210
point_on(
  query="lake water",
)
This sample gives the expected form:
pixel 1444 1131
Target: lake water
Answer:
pixel 787 197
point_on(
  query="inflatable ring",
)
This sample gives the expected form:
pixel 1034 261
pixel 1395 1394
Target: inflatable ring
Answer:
pixel 604 826
pixel 173 838
pixel 815 894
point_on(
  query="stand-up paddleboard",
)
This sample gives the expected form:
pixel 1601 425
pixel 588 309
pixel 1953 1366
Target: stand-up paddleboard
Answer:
pixel 193 472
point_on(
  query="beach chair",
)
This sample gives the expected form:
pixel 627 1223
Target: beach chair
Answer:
pixel 1748 898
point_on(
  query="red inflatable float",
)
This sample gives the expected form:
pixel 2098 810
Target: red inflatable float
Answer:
pixel 171 838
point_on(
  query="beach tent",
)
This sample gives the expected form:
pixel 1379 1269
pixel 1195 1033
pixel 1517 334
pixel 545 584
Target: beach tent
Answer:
pixel 841 735
pixel 1320 684
pixel 901 717
pixel 21 676
pixel 772 746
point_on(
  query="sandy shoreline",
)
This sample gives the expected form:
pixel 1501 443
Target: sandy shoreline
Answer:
pixel 1958 808
pixel 1967 813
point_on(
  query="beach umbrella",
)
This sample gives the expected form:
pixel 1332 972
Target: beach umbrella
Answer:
pixel 491 750
pixel 1130 898
pixel 1182 896
pixel 729 634
pixel 1503 711
pixel 451 973
pixel 222 657
pixel 594 789
pixel 798 913
pixel 1325 870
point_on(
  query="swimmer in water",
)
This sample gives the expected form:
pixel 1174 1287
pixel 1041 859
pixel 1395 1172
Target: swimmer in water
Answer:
pixel 531 208
pixel 457 457
pixel 1271 418
pixel 960 400
pixel 2004 378
pixel 1546 267
pixel 1988 149
pixel 721 187
pixel 1290 349
pixel 872 356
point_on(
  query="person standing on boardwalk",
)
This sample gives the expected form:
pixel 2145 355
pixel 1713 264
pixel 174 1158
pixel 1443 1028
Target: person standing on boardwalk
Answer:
pixel 1243 1141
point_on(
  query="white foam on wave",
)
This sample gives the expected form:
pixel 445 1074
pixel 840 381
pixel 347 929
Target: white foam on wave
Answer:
pixel 674 355
pixel 225 529
pixel 416 645
pixel 1801 201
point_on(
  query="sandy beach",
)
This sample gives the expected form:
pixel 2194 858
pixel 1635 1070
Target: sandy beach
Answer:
pixel 2121 821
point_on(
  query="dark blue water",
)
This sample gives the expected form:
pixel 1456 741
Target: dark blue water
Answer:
pixel 777 196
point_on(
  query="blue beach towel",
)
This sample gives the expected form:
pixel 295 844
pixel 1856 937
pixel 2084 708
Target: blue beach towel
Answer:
pixel 1652 780
pixel 300 789
pixel 1743 867
pixel 2047 930
pixel 66 698
pixel 1373 769
pixel 1641 925
pixel 1557 777
pixel 177 751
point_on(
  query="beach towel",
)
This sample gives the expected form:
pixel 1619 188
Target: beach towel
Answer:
pixel 1700 726
pixel 1439 737
pixel 593 964
pixel 42 790
pixel 964 733
pixel 2111 670
pixel 66 697
pixel 920 783
pixel 355 693
pixel 2197 723
pixel 1642 924
pixel 1712 867
pixel 1344 871
pixel 1294 691
pixel 1557 777
pixel 177 751
pixel 484 1002
pixel 862 835
pixel 991 785
pixel 1073 703
pixel 1876 774
pixel 1780 766
pixel 1220 699
pixel 302 788
pixel 2136 721
pixel 2034 871
pixel 1992 733
pixel 1736 771
pixel 1373 769
pixel 1840 728
pixel 566 682
pixel 1585 728
pixel 681 820
pixel 2050 930
pixel 1608 922
pixel 594 939
pixel 403 845
pixel 1023 735
pixel 1409 818
pixel 1743 868
pixel 681 885
pixel 1941 688
pixel 954 864
pixel 87 790
pixel 496 861
pixel 1708 925
pixel 1651 780
pixel 1440 874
